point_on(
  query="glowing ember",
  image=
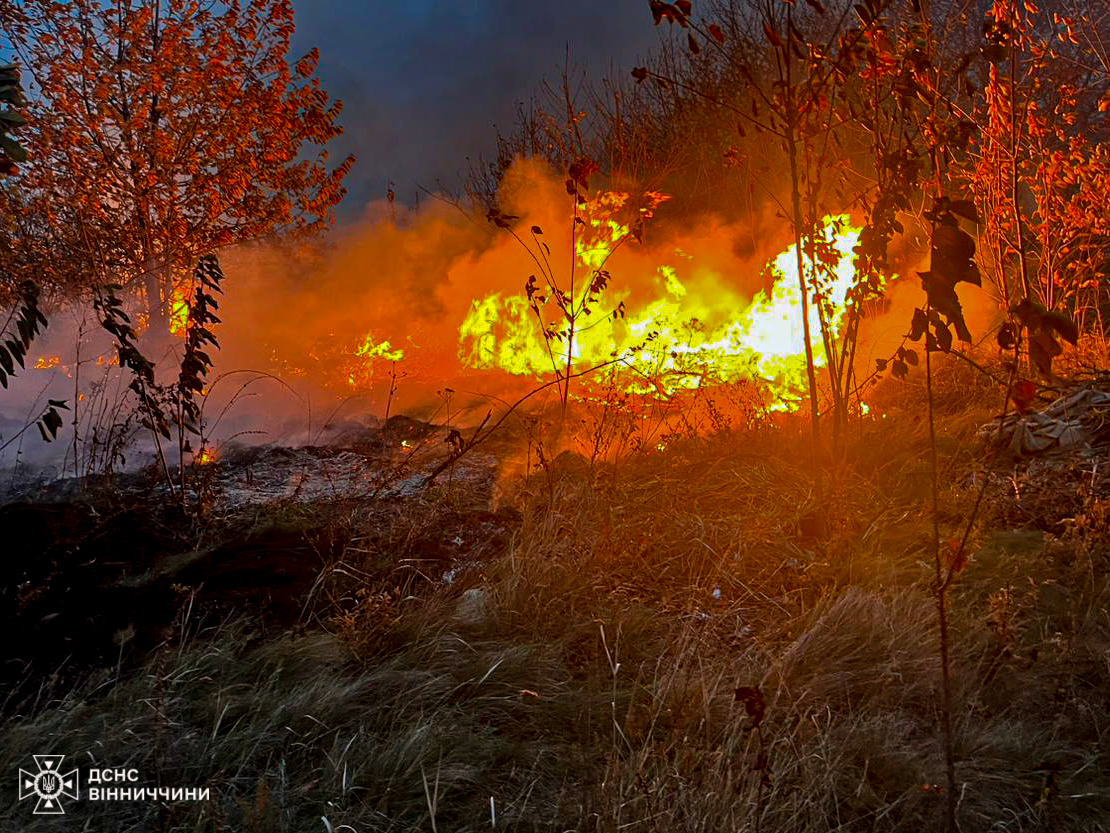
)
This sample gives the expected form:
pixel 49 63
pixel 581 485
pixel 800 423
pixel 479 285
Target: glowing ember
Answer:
pixel 367 354
pixel 47 362
pixel 204 457
pixel 682 338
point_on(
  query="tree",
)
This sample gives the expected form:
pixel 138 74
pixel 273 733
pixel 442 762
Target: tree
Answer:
pixel 161 130
pixel 1044 168
pixel 11 152
pixel 24 320
pixel 788 88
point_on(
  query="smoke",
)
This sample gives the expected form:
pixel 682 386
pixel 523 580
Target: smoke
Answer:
pixel 410 277
pixel 369 321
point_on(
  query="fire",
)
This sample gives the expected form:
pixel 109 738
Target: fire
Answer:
pixel 594 249
pixel 47 362
pixel 366 355
pixel 681 338
pixel 180 296
pixel 204 457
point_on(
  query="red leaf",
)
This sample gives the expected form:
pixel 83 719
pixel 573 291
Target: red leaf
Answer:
pixel 581 170
pixel 716 33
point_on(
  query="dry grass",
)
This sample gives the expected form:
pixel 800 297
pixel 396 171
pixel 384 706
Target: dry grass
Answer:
pixel 591 686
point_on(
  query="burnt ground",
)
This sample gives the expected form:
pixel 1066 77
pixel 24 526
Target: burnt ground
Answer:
pixel 98 575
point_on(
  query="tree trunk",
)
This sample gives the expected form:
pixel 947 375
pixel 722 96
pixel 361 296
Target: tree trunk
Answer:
pixel 155 284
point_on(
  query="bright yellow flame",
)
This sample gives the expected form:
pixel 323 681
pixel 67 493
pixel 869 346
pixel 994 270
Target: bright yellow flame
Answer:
pixel 47 362
pixel 179 307
pixel 666 341
pixel 204 457
pixel 361 371
pixel 593 249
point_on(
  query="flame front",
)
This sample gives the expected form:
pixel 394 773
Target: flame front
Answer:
pixel 681 339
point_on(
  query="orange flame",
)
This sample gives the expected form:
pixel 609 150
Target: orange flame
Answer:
pixel 680 339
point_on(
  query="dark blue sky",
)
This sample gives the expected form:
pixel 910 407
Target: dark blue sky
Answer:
pixel 423 83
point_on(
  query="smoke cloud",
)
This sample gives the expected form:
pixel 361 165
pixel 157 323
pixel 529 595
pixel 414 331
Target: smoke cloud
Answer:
pixel 370 320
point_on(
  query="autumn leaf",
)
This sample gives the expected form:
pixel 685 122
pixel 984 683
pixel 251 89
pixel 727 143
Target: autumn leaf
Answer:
pixel 202 122
pixel 716 33
pixel 671 12
pixel 581 170
pixel 918 325
pixel 1044 326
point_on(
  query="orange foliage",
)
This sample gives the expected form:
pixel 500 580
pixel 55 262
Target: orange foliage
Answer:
pixel 163 129
pixel 1044 167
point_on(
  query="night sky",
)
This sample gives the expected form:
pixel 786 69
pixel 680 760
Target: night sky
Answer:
pixel 423 82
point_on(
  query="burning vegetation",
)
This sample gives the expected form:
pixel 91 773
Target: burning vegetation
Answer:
pixel 686 337
pixel 729 454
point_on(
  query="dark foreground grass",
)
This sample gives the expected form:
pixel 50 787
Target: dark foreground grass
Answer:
pixel 587 679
